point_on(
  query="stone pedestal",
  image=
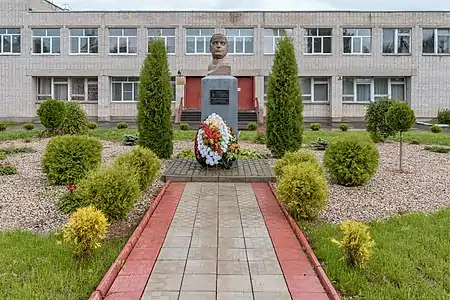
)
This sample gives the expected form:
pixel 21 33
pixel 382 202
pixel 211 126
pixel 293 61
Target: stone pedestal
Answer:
pixel 220 96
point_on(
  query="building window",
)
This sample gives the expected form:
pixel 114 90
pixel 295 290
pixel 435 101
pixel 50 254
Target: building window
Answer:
pixel 9 41
pixel 125 89
pixel 240 41
pixel 436 41
pixel 83 41
pixel 167 34
pixel 373 89
pixel 314 89
pixel 197 40
pixel 272 36
pixel 397 40
pixel 67 88
pixel 357 41
pixel 46 41
pixel 318 40
pixel 122 40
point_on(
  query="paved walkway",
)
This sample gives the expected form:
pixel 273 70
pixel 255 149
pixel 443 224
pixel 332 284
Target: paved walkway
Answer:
pixel 217 241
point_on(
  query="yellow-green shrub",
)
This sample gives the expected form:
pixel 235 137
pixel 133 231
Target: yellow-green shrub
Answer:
pixel 113 190
pixel 145 163
pixel 85 230
pixel 356 243
pixel 291 158
pixel 303 190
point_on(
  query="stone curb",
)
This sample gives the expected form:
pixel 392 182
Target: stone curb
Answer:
pixel 105 284
pixel 326 283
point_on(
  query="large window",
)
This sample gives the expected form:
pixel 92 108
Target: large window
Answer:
pixel 372 89
pixel 314 89
pixel 67 88
pixel 197 40
pixel 125 89
pixel 122 40
pixel 272 36
pixel 168 36
pixel 436 41
pixel 83 41
pixel 318 40
pixel 357 41
pixel 9 41
pixel 397 40
pixel 46 41
pixel 240 41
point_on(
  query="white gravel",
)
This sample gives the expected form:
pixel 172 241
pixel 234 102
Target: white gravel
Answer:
pixel 28 202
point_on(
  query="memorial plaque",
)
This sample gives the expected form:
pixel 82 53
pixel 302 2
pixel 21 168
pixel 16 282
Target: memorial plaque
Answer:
pixel 219 97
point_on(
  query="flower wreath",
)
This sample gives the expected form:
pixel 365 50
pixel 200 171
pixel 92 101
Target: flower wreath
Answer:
pixel 215 143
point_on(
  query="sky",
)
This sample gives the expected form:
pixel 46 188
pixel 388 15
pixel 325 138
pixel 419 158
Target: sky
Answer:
pixel 288 5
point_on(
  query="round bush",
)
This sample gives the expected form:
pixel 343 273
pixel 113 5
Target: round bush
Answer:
pixel 2 126
pixel 376 120
pixel 68 158
pixel 28 126
pixel 343 127
pixel 92 125
pixel 436 129
pixel 303 190
pixel 296 157
pixel 443 116
pixel 314 126
pixel 252 126
pixel 184 126
pixel 113 190
pixel 400 117
pixel 52 113
pixel 76 122
pixel 145 163
pixel 122 125
pixel 351 161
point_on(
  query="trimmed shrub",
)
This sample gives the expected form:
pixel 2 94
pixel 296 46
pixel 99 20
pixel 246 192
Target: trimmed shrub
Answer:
pixel 356 243
pixel 76 122
pixel 437 148
pixel 293 158
pixel 314 126
pixel 252 126
pixel 154 102
pixel 68 158
pixel 284 125
pixel 344 127
pixel 351 161
pixel 28 126
pixel 7 169
pixel 111 189
pixel 443 116
pixel 320 144
pixel 122 125
pixel 303 190
pixel 436 129
pixel 2 126
pixel 92 125
pixel 145 163
pixel 52 114
pixel 184 126
pixel 85 230
pixel 186 153
pixel 376 120
pixel 130 139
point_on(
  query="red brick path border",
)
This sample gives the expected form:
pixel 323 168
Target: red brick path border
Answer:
pixel 305 281
pixel 128 275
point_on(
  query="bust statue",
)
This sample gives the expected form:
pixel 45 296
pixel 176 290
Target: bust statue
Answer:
pixel 221 64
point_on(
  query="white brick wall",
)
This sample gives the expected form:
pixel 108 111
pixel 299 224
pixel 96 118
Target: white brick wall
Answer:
pixel 430 75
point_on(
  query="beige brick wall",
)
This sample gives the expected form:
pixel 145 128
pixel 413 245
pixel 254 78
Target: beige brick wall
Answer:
pixel 430 75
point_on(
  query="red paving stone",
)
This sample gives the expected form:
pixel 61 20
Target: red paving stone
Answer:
pixel 298 272
pixel 133 277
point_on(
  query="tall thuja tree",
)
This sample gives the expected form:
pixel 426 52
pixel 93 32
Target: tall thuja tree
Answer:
pixel 154 102
pixel 284 102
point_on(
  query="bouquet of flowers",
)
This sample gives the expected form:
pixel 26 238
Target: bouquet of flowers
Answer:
pixel 215 143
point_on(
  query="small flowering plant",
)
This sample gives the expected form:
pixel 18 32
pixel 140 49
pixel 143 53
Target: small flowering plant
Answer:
pixel 215 143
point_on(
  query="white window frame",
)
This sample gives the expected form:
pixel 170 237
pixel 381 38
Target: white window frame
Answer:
pixel 164 37
pixel 275 38
pixel 398 34
pixel 41 38
pixel 371 81
pixel 232 41
pixel 58 81
pixel 118 38
pixel 81 37
pixel 134 87
pixel 436 39
pixel 321 38
pixel 206 40
pixel 11 36
pixel 316 81
pixel 357 36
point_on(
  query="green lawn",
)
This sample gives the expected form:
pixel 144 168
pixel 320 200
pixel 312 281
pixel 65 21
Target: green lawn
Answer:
pixel 36 267
pixel 411 259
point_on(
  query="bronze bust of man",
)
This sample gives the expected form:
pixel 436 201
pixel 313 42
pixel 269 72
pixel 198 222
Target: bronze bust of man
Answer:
pixel 218 46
